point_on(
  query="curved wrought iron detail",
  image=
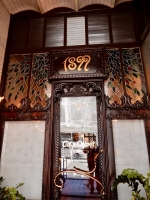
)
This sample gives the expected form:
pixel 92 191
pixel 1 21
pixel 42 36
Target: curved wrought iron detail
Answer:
pixel 60 181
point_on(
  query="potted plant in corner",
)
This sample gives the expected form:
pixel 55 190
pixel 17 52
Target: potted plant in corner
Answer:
pixel 10 193
pixel 133 178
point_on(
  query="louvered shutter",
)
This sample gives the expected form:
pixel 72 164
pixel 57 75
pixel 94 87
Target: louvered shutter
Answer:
pixel 55 32
pixel 75 31
pixel 122 27
pixel 36 33
pixel 20 34
pixel 98 31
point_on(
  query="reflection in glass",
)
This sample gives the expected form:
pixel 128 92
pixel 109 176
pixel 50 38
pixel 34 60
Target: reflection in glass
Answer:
pixel 78 130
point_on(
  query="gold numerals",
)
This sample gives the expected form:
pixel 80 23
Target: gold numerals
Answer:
pixel 72 63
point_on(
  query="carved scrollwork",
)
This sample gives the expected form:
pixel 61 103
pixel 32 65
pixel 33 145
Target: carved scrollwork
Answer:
pixel 127 104
pixel 94 88
pixel 86 89
pixel 40 108
pixel 60 89
pixel 24 116
pixel 25 106
pixel 127 114
pixel 12 108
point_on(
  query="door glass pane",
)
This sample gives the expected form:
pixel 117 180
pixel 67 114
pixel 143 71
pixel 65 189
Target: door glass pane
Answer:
pixel 78 130
pixel 130 151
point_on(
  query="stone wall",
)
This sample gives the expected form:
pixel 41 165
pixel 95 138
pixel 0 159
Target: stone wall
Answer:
pixel 146 60
pixel 4 25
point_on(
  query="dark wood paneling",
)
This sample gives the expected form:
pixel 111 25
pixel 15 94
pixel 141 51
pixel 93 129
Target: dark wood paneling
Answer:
pixel 20 34
pixel 55 32
pixel 93 28
pixel 142 8
pixel 36 32
pixel 98 31
pixel 122 27
pixel 139 15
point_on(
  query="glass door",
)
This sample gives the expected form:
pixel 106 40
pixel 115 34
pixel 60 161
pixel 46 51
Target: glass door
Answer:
pixel 78 140
pixel 79 143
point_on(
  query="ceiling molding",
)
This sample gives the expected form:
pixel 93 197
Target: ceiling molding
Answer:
pixel 121 1
pixel 44 6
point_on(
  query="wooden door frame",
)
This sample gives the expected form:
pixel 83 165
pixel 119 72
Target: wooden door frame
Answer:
pixel 76 88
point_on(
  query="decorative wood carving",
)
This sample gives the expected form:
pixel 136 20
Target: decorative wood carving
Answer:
pixel 44 191
pixel 126 103
pixel 46 160
pixel 78 63
pixel 70 90
pixel 75 89
pixel 24 107
pixel 127 114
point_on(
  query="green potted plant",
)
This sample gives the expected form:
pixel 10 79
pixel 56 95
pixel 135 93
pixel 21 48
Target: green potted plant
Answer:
pixel 10 193
pixel 133 178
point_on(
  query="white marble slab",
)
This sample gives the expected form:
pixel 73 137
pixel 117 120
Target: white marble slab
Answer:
pixel 130 150
pixel 22 156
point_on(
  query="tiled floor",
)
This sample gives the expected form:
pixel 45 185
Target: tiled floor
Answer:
pixel 75 190
pixel 78 198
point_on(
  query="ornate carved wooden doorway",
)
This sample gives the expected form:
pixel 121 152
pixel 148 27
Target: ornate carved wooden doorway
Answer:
pixel 78 125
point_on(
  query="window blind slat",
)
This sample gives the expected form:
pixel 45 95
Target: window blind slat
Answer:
pixel 122 27
pixel 55 32
pixel 20 34
pixel 36 33
pixel 75 31
pixel 98 31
